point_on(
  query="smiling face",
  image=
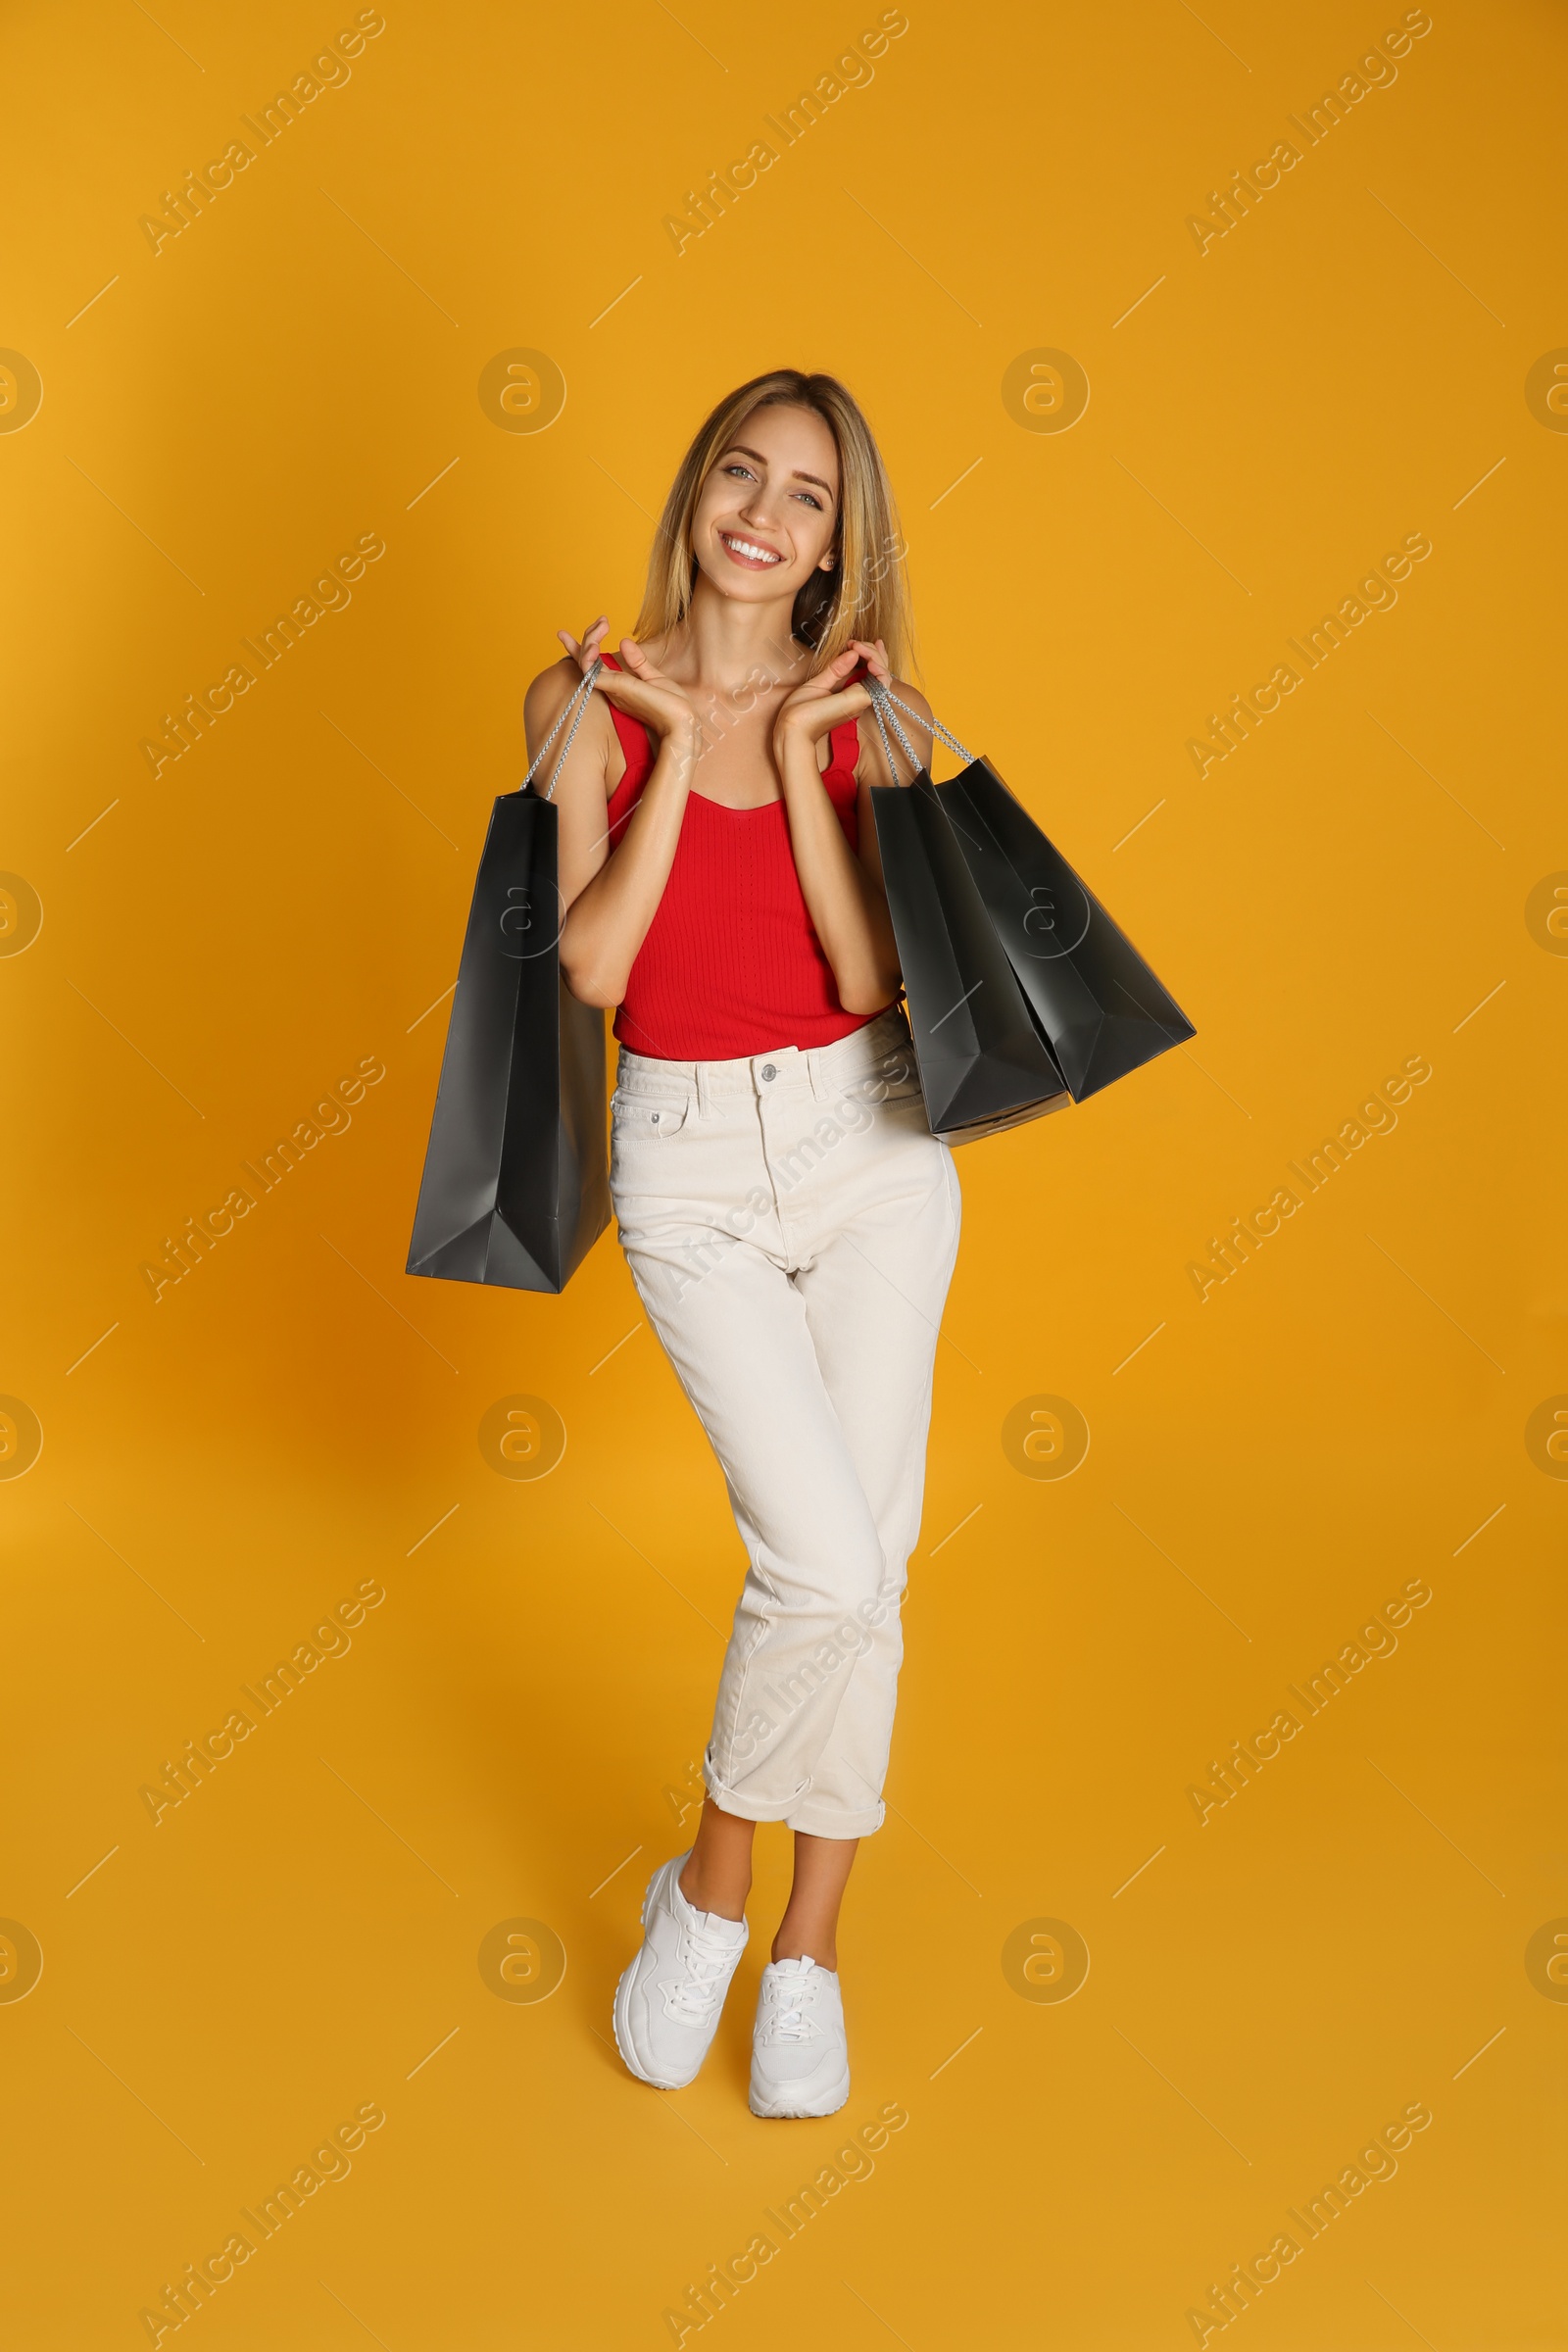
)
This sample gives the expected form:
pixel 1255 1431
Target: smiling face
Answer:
pixel 767 512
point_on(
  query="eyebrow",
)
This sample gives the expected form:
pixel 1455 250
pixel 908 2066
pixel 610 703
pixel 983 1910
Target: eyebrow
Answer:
pixel 740 448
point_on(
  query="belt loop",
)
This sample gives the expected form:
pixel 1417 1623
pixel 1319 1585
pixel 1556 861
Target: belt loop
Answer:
pixel 703 1089
pixel 816 1063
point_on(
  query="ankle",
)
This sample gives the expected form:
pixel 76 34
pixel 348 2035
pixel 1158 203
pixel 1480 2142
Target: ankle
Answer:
pixel 726 1898
pixel 821 1949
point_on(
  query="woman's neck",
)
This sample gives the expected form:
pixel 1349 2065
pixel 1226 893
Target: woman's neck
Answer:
pixel 722 644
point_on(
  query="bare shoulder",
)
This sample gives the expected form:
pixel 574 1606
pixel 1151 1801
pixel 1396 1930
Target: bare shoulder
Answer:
pixel 544 704
pixel 914 698
pixel 548 696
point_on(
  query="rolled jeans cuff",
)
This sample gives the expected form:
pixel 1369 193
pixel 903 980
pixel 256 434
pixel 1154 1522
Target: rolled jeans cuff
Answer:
pixel 797 1812
pixel 821 1821
pixel 748 1808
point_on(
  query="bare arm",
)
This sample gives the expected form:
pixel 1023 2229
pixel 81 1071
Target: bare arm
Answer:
pixel 843 889
pixel 610 900
pixel 871 770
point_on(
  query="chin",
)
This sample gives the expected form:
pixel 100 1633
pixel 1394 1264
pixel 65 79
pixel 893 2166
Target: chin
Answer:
pixel 746 587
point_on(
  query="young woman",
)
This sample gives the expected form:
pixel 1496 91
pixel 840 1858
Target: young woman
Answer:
pixel 789 1219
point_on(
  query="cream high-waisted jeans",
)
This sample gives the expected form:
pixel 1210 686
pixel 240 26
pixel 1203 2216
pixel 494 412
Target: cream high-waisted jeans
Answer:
pixel 791 1224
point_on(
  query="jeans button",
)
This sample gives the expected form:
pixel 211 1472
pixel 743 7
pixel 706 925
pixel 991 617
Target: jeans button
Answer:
pixel 768 1071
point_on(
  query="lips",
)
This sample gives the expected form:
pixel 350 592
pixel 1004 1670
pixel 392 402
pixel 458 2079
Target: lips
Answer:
pixel 749 554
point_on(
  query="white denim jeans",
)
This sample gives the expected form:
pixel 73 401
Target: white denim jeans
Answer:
pixel 791 1224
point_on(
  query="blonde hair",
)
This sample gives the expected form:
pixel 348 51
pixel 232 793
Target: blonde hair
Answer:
pixel 865 595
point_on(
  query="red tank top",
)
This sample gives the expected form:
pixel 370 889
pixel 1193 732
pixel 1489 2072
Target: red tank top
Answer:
pixel 731 964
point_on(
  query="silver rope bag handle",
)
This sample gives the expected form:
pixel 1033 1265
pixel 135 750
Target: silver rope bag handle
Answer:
pixel 580 697
pixel 934 725
pixel 883 699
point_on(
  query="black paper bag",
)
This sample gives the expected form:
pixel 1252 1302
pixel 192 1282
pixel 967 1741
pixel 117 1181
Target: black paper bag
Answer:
pixel 1094 996
pixel 982 1060
pixel 1091 996
pixel 516 1182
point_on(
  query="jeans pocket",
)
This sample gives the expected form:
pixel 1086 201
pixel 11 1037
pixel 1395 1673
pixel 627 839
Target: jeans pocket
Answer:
pixel 641 1119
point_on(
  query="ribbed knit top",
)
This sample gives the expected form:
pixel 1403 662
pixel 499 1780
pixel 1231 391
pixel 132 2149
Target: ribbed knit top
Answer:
pixel 731 964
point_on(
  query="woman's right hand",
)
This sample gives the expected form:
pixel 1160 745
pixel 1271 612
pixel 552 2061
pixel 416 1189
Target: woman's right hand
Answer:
pixel 637 687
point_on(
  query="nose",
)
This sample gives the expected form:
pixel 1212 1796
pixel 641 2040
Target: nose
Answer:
pixel 758 508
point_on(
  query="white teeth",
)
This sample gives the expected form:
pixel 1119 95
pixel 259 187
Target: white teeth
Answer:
pixel 744 547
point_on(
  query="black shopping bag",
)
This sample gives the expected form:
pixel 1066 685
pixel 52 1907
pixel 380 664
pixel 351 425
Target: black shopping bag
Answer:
pixel 982 1061
pixel 516 1188
pixel 1094 998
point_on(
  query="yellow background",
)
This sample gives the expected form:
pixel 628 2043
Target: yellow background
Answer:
pixel 521 1714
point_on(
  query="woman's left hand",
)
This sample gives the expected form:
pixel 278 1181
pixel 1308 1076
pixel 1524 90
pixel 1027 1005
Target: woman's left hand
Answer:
pixel 825 702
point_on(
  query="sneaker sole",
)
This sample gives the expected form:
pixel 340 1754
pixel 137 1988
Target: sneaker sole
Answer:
pixel 782 2110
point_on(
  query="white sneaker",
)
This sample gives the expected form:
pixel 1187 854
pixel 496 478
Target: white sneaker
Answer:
pixel 667 2003
pixel 800 2056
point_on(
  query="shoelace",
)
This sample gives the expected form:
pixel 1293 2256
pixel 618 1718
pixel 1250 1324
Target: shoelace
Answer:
pixel 706 1958
pixel 792 1999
